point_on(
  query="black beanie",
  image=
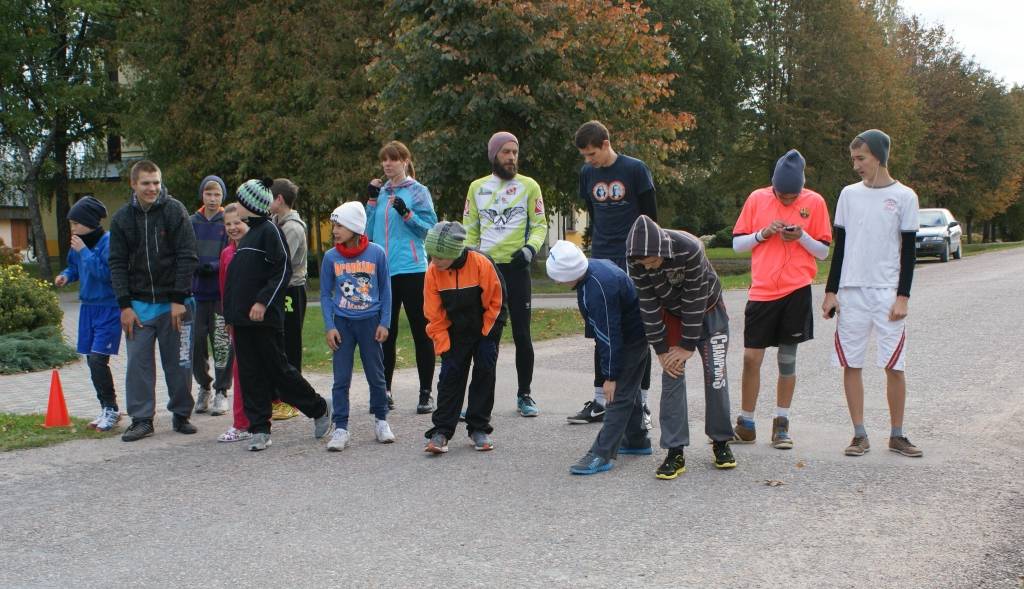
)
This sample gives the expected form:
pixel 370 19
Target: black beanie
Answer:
pixel 87 211
pixel 789 173
pixel 878 144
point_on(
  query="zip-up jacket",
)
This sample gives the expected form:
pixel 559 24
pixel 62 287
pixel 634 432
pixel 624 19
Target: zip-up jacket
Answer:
pixel 611 314
pixel 90 267
pixel 685 285
pixel 294 230
pixel 211 237
pixel 355 283
pixel 401 236
pixel 259 273
pixel 464 303
pixel 503 216
pixel 152 252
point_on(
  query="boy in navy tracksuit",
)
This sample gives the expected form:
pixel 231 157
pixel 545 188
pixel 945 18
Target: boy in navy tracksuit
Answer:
pixel 355 298
pixel 608 302
pixel 99 319
pixel 210 330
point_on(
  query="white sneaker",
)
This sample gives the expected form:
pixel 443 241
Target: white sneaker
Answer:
pixel 338 440
pixel 107 420
pixel 647 425
pixel 234 435
pixel 220 404
pixel 99 418
pixel 383 431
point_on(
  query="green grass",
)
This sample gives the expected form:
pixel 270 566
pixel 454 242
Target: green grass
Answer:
pixel 971 249
pixel 316 356
pixel 26 431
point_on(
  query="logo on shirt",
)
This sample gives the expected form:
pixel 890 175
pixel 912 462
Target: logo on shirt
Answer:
pixel 500 219
pixel 511 190
pixel 614 190
pixel 356 284
pixel 538 209
pixel 805 213
pixel 890 205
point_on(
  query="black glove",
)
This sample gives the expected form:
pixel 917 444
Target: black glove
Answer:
pixel 372 192
pixel 206 269
pixel 399 205
pixel 522 258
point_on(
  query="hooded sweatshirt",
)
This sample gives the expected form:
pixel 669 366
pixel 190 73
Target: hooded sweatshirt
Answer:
pixel 294 230
pixel 685 285
pixel 90 267
pixel 355 283
pixel 152 252
pixel 401 237
pixel 211 237
pixel 258 273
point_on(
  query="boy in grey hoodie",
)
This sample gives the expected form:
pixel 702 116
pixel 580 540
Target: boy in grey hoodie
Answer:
pixel 683 311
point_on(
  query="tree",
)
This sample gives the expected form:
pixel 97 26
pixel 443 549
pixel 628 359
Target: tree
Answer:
pixel 452 73
pixel 55 88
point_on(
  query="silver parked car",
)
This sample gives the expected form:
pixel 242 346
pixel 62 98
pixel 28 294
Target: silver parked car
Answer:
pixel 939 235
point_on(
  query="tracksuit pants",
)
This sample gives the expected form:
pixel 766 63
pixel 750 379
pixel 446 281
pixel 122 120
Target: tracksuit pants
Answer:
pixel 263 368
pixel 623 417
pixel 674 419
pixel 482 356
pixel 211 333
pixel 175 359
pixel 517 281
pixel 358 332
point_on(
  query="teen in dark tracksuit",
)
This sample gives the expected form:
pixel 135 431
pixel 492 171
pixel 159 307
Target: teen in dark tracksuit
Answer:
pixel 211 332
pixel 678 287
pixel 256 282
pixel 464 301
pixel 608 303
pixel 152 260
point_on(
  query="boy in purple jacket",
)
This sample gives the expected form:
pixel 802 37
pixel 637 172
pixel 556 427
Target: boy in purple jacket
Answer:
pixel 210 330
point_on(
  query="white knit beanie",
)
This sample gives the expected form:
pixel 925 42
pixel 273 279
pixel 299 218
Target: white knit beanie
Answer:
pixel 566 262
pixel 352 216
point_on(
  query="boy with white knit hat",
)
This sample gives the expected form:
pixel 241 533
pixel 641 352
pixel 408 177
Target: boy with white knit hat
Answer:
pixel 254 308
pixel 608 302
pixel 355 298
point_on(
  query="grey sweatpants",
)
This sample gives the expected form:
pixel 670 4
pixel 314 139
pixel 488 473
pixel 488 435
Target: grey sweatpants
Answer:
pixel 210 331
pixel 674 419
pixel 175 359
pixel 623 417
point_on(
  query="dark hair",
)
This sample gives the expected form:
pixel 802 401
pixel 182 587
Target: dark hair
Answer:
pixel 591 134
pixel 287 189
pixel 143 166
pixel 396 150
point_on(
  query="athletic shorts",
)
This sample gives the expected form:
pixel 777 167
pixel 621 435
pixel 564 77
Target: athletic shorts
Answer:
pixel 788 320
pixel 99 330
pixel 861 311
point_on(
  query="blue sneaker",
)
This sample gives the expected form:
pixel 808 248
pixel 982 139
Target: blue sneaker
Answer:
pixel 641 451
pixel 527 407
pixel 591 464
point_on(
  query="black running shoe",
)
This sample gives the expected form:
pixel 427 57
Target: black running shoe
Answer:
pixel 723 455
pixel 673 466
pixel 592 412
pixel 391 402
pixel 426 403
pixel 182 425
pixel 139 429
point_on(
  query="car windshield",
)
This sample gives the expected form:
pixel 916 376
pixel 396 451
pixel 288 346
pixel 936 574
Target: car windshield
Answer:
pixel 930 219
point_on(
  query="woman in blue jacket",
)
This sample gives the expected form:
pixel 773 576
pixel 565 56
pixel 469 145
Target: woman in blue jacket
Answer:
pixel 399 213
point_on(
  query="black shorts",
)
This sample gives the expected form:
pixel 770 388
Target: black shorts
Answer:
pixel 783 321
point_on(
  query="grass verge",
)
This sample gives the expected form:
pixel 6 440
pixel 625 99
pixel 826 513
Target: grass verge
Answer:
pixel 316 356
pixel 18 432
pixel 971 249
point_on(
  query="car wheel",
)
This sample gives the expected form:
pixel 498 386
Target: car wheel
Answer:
pixel 944 256
pixel 959 253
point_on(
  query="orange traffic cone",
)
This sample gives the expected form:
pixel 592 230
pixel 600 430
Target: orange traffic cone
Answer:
pixel 56 409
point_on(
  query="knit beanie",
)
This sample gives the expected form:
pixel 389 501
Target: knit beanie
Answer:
pixel 789 173
pixel 207 180
pixel 352 216
pixel 87 211
pixel 255 195
pixel 446 240
pixel 878 144
pixel 566 262
pixel 497 140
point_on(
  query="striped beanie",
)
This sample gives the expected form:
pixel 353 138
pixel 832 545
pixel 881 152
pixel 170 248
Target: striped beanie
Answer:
pixel 255 195
pixel 446 240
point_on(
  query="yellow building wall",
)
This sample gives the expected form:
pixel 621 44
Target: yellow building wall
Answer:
pixel 113 195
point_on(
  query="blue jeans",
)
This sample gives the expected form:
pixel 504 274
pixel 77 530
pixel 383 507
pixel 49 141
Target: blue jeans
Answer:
pixel 358 332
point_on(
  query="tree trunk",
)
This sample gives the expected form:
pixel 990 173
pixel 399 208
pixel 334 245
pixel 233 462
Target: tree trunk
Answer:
pixel 970 229
pixel 38 233
pixel 60 189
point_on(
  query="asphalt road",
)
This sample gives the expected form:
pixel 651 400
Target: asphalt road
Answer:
pixel 181 511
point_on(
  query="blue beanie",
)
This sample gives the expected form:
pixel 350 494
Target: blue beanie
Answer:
pixel 789 173
pixel 87 211
pixel 207 180
pixel 878 144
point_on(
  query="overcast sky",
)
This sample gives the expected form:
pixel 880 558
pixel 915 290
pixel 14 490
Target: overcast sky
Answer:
pixel 988 30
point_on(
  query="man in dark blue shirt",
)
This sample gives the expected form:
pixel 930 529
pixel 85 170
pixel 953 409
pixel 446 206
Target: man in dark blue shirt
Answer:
pixel 617 189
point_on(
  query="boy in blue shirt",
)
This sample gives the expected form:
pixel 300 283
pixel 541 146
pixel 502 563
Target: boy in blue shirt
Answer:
pixel 611 311
pixel 99 319
pixel 355 298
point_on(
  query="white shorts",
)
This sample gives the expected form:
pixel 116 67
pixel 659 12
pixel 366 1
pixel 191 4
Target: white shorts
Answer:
pixel 861 311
